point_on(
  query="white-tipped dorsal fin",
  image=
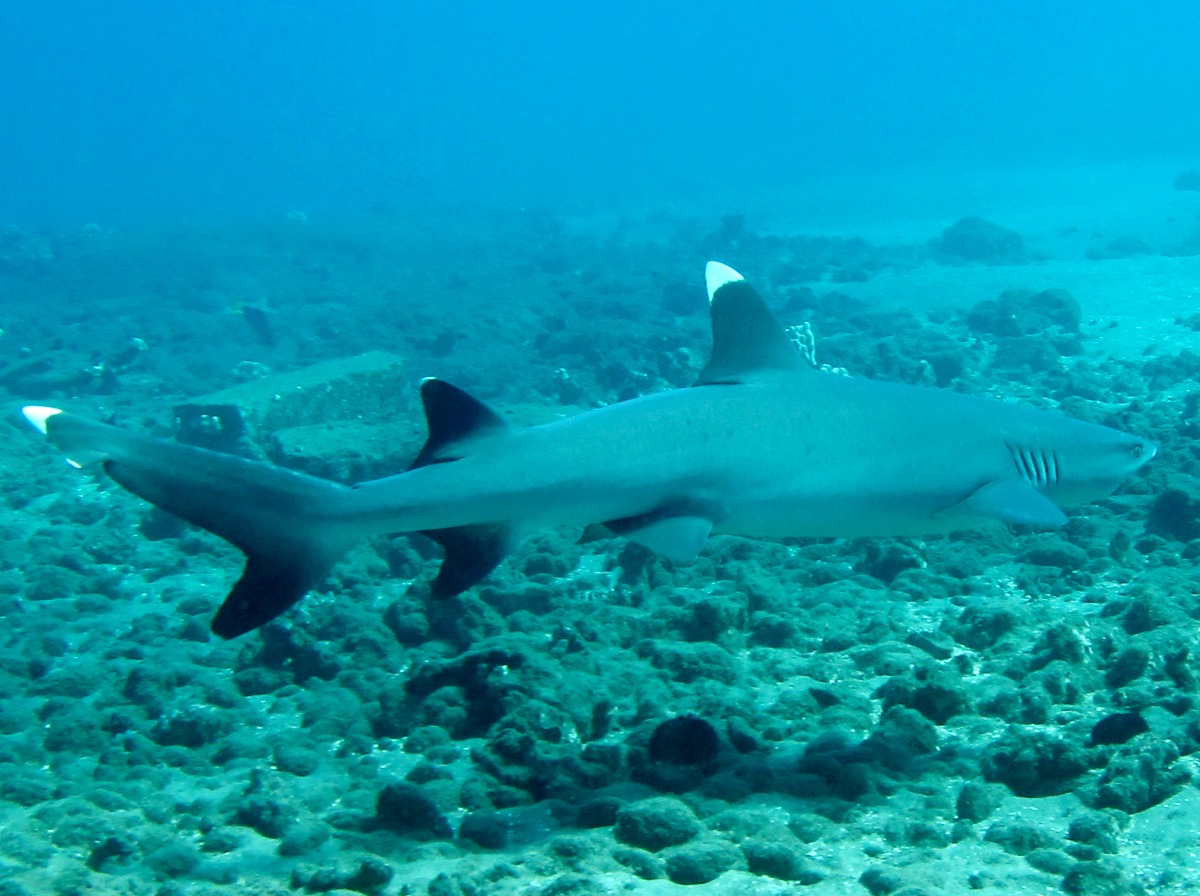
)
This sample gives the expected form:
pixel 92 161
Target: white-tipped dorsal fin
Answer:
pixel 38 415
pixel 717 275
pixel 748 341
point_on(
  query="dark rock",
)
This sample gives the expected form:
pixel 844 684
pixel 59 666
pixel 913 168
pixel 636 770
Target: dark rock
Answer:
pixel 1117 728
pixel 975 239
pixel 406 809
pixel 656 823
pixel 685 740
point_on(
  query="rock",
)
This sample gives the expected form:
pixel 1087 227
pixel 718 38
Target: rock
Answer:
pixel 1138 776
pixel 936 693
pixel 656 823
pixel 902 736
pixel 1124 246
pixel 1052 861
pixel 1098 829
pixel 976 801
pixel 975 239
pixel 702 861
pixel 881 881
pixel 303 838
pixel 406 809
pixel 980 626
pixel 780 860
pixel 1019 839
pixel 887 559
pixel 1034 763
pixel 243 418
pixel 1098 879
pixel 1018 313
pixel 687 663
pixel 1175 515
pixel 1188 181
pixel 1053 551
pixel 1128 666
pixel 269 815
pixel 685 740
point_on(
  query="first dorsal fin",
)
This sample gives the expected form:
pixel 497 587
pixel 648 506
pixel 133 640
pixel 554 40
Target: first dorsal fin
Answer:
pixel 455 418
pixel 747 339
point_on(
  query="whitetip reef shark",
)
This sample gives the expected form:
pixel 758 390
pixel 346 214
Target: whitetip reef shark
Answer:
pixel 761 445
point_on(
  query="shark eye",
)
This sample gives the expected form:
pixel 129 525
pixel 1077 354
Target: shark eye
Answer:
pixel 1138 450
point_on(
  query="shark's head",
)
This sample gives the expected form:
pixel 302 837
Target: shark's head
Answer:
pixel 1080 461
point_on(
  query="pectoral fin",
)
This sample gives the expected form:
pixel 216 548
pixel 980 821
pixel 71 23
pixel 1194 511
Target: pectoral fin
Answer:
pixel 1011 501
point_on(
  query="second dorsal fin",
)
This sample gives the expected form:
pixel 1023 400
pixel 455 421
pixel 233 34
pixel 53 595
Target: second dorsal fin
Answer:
pixel 455 419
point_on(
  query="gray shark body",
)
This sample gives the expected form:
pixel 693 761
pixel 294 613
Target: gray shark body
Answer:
pixel 763 445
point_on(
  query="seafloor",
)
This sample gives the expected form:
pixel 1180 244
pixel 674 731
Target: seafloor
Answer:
pixel 999 711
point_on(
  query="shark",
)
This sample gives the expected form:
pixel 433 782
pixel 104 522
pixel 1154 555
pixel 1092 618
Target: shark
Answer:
pixel 761 445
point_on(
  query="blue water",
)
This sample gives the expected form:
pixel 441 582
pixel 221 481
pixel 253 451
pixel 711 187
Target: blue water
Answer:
pixel 128 112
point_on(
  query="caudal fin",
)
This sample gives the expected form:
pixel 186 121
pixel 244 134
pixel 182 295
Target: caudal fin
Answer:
pixel 281 520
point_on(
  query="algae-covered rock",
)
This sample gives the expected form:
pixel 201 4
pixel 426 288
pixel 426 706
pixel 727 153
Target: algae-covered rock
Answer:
pixel 779 859
pixel 976 239
pixel 656 823
pixel 976 801
pixel 1139 775
pixel 242 418
pixel 1033 762
pixel 702 861
pixel 406 809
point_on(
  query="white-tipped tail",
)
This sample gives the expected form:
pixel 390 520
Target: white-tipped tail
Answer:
pixel 38 415
pixel 717 275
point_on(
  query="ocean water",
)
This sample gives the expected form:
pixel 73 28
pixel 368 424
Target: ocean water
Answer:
pixel 255 227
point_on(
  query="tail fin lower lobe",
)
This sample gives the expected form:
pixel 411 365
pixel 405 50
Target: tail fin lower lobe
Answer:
pixel 281 520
